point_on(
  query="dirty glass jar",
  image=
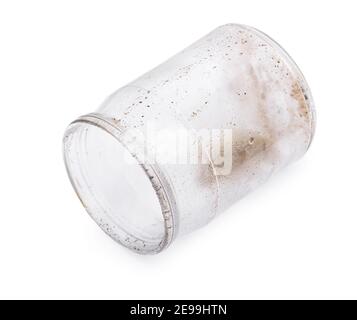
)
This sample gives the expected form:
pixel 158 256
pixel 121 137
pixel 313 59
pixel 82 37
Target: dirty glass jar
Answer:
pixel 163 155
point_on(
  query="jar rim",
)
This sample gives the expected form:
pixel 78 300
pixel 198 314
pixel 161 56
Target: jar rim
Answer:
pixel 154 174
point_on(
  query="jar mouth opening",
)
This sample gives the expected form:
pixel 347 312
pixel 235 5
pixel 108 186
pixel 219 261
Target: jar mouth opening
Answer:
pixel 124 197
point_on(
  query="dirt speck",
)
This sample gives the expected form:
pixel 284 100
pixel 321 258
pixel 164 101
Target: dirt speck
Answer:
pixel 298 94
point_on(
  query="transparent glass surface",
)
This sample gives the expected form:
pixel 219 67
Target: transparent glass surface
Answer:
pixel 163 155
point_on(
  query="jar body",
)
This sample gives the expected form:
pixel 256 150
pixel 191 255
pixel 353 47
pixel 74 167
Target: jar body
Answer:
pixel 206 127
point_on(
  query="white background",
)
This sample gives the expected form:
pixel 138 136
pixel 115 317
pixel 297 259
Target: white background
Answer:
pixel 295 237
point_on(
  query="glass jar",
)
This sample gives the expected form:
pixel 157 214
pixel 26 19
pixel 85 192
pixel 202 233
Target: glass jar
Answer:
pixel 165 154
